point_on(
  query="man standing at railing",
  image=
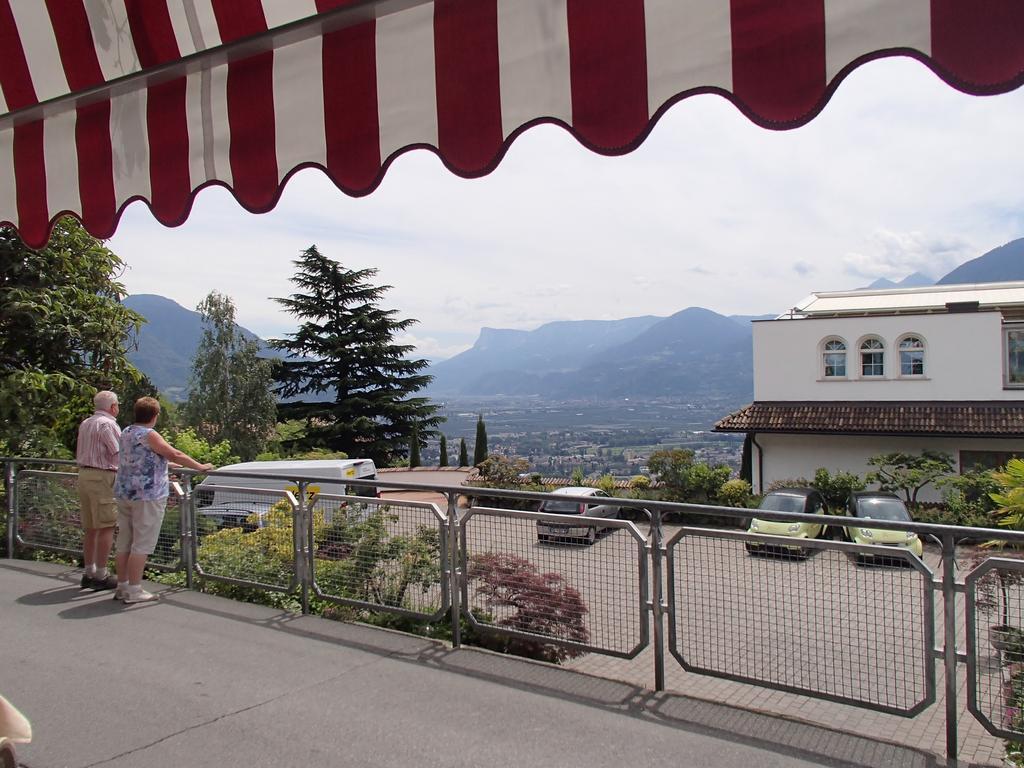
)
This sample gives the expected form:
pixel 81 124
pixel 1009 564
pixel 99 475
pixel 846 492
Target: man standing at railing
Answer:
pixel 97 455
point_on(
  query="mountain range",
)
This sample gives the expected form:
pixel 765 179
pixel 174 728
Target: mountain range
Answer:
pixel 693 353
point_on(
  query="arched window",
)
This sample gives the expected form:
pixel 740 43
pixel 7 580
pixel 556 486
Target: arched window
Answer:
pixel 833 356
pixel 872 358
pixel 911 356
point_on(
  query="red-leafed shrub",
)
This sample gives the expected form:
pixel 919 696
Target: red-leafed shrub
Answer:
pixel 521 598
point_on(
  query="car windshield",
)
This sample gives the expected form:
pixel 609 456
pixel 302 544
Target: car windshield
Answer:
pixel 561 507
pixel 782 502
pixel 882 509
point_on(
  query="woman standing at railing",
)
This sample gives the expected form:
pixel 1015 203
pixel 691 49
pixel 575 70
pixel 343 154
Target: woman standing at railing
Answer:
pixel 141 491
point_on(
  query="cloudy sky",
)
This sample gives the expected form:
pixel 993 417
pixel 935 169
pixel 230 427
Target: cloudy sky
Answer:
pixel 900 173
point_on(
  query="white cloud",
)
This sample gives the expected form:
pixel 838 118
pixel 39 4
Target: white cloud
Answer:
pixel 895 255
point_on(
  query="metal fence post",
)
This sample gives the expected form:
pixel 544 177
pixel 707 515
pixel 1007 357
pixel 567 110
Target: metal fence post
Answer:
pixel 454 572
pixel 188 530
pixel 657 605
pixel 302 530
pixel 949 644
pixel 10 471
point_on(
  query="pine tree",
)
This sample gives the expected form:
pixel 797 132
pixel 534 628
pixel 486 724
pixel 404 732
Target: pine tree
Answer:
pixel 231 393
pixel 480 446
pixel 463 455
pixel 443 461
pixel 345 348
pixel 414 448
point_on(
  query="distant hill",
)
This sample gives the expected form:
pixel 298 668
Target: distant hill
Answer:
pixel 694 351
pixel 913 280
pixel 524 355
pixel 998 265
pixel 168 341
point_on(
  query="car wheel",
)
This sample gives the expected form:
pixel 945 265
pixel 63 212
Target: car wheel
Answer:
pixel 591 536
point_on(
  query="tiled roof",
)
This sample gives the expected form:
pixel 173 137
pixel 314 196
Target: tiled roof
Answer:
pixel 980 418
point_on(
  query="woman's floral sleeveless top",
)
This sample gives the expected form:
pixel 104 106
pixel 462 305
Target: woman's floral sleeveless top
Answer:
pixel 141 473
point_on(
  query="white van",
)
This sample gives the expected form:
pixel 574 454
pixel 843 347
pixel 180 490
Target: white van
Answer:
pixel 229 501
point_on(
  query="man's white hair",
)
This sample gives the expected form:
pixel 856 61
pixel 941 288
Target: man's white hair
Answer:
pixel 104 400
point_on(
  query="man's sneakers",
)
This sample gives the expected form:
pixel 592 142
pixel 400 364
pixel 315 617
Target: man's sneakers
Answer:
pixel 98 585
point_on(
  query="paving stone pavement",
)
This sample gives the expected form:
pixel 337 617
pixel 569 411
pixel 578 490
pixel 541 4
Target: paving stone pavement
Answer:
pixel 926 731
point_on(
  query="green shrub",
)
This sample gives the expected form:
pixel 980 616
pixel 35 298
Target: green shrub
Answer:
pixel 836 489
pixel 735 493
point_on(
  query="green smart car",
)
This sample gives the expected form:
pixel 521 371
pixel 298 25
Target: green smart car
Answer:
pixel 801 500
pixel 878 505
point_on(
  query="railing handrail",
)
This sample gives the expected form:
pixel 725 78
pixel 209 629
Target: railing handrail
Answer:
pixel 639 505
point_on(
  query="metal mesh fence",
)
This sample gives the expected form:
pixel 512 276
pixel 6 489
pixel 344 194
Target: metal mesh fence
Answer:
pixel 167 554
pixel 995 608
pixel 48 511
pixel 248 538
pixel 377 553
pixel 4 513
pixel 561 588
pixel 833 625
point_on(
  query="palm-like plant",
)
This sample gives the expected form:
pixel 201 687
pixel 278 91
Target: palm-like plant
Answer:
pixel 1010 497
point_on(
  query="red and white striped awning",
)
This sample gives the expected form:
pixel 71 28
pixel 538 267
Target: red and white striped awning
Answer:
pixel 108 101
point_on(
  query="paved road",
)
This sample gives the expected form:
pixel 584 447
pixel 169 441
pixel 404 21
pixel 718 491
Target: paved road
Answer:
pixel 202 681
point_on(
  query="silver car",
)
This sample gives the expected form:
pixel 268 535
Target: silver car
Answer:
pixel 602 506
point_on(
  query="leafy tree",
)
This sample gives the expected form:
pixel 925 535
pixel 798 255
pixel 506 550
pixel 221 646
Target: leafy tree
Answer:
pixel 480 444
pixel 443 461
pixel 501 472
pixel 577 476
pixel 706 481
pixel 672 466
pixel 202 450
pixel 63 336
pixel 463 455
pixel 836 489
pixel 414 448
pixel 684 480
pixel 231 393
pixel 345 348
pixel 907 474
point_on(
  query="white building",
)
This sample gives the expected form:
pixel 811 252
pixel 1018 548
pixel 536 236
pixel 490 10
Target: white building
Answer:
pixel 847 375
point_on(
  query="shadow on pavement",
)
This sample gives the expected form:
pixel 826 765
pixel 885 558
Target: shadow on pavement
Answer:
pixel 829 747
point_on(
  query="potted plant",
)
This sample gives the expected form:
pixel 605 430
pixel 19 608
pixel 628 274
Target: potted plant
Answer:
pixel 1010 514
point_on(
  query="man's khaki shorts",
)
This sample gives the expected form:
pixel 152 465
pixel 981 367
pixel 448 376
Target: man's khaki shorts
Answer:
pixel 138 525
pixel 96 495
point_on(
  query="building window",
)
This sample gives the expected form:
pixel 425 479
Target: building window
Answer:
pixel 872 358
pixel 1013 343
pixel 911 356
pixel 972 460
pixel 834 358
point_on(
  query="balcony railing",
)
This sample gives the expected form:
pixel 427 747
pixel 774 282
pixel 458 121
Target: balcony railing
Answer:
pixel 872 627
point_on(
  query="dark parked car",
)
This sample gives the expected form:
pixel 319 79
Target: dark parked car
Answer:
pixel 879 505
pixel 805 501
